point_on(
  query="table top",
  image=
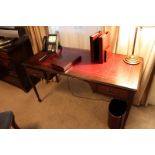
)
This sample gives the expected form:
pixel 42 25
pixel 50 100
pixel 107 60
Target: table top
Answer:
pixel 114 72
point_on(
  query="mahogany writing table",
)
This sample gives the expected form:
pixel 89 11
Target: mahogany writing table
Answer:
pixel 114 77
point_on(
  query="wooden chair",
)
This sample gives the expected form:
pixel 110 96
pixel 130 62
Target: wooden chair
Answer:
pixel 7 120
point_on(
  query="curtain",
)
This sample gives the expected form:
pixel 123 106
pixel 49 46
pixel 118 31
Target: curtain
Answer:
pixel 36 34
pixel 114 33
pixel 150 99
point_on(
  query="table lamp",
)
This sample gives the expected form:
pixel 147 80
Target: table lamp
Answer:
pixel 132 59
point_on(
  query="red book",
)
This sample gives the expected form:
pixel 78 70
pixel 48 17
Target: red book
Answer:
pixel 104 47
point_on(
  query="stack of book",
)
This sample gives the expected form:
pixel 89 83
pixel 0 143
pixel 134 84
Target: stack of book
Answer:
pixel 100 47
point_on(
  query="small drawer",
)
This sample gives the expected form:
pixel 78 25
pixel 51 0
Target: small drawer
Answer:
pixel 34 72
pixel 113 91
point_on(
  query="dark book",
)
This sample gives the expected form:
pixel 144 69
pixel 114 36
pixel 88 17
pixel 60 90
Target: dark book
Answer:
pixel 94 46
pixel 65 62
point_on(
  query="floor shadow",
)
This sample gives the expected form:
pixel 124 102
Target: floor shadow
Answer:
pixel 66 82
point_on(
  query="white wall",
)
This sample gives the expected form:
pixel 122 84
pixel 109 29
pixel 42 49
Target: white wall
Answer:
pixel 75 36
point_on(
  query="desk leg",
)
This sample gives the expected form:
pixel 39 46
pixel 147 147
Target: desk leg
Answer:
pixel 93 86
pixel 34 87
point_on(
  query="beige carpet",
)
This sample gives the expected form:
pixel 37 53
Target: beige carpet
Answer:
pixel 61 108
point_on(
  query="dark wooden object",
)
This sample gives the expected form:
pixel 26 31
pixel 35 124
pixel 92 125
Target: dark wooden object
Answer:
pixel 114 77
pixel 11 59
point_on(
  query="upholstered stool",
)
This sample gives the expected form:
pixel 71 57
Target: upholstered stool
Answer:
pixel 7 120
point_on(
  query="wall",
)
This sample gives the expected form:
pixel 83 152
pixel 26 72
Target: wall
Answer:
pixel 75 36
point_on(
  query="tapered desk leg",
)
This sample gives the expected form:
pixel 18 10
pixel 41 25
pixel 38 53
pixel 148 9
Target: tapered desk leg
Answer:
pixel 34 87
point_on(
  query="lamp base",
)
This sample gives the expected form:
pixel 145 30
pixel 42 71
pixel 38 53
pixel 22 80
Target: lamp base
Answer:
pixel 132 60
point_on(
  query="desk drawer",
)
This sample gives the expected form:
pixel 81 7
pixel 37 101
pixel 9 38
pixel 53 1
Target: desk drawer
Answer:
pixel 112 91
pixel 34 72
